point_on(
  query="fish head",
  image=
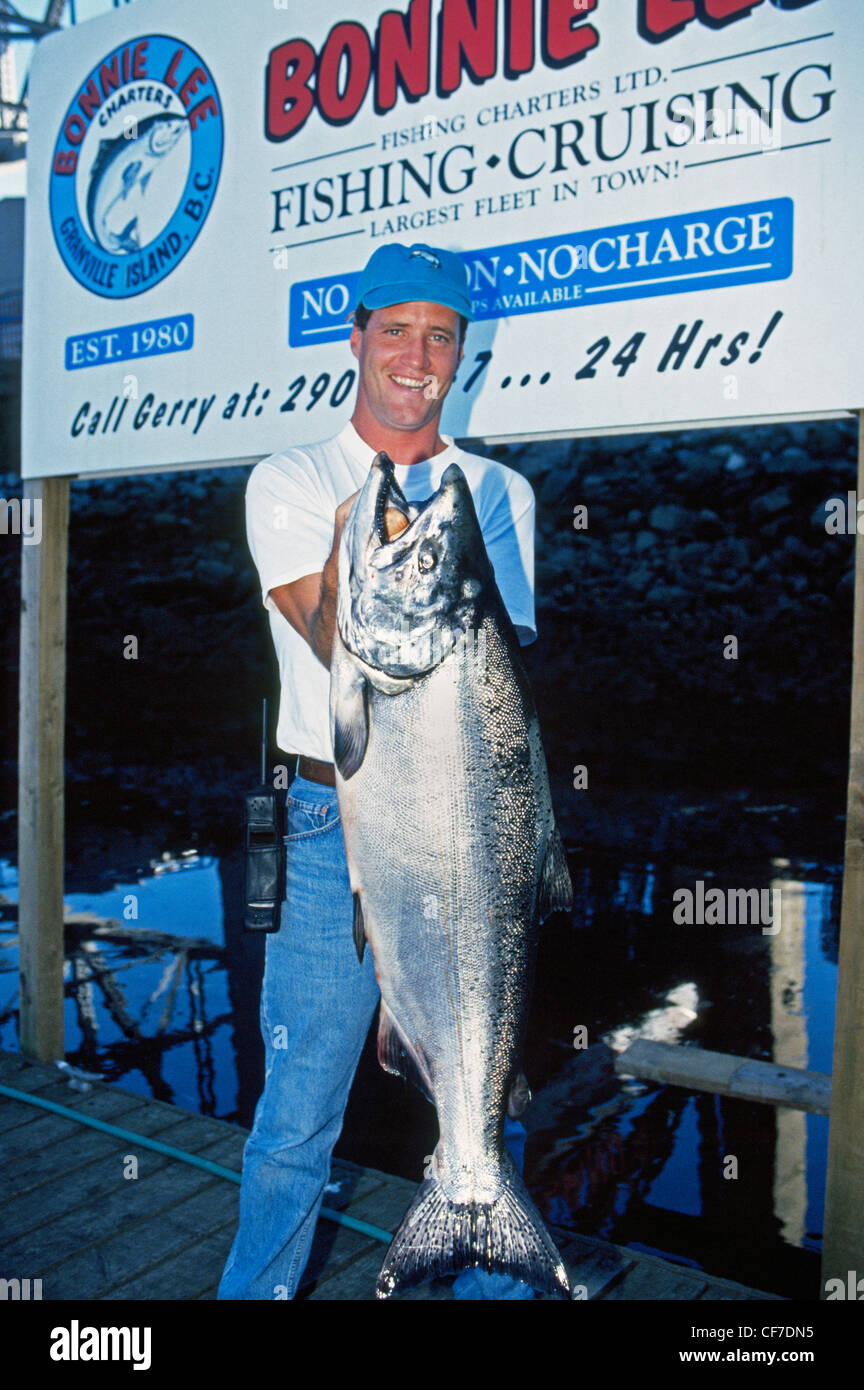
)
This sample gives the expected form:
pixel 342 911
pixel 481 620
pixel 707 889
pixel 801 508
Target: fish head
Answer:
pixel 409 591
pixel 164 132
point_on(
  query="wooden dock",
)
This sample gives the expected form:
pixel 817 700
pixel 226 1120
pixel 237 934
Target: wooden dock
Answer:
pixel 72 1215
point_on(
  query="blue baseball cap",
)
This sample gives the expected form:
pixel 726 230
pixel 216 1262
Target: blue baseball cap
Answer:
pixel 397 274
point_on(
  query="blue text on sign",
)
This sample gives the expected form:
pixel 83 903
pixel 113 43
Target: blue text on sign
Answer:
pixel 740 245
pixel 155 337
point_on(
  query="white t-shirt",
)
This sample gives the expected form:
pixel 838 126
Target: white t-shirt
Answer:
pixel 291 500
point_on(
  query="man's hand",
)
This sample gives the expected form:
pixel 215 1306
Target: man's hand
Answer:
pixel 309 603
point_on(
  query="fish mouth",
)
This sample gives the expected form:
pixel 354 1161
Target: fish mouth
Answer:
pixel 381 495
pixel 389 497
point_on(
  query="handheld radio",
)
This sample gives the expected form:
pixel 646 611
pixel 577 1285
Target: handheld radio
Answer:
pixel 265 852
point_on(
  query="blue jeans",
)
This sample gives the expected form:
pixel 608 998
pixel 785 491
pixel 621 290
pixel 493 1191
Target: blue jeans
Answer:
pixel 317 1002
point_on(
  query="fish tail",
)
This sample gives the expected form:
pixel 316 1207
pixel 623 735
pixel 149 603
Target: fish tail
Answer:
pixel 506 1236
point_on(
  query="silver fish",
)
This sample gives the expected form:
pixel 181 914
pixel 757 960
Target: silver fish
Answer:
pixel 453 854
pixel 119 177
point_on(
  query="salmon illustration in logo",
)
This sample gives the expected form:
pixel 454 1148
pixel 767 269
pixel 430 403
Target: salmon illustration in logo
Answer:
pixel 136 165
pixel 120 176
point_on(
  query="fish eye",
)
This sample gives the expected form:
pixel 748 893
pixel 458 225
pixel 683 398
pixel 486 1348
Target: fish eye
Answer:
pixel 427 558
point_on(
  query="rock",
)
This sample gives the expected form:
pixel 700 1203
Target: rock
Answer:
pixel 595 485
pixel 819 603
pixel 549 492
pixel 634 517
pixel 708 524
pixel 733 552
pixel 789 463
pixel 695 554
pixel 821 513
pixel 735 461
pixel 670 517
pixel 779 499
pixel 666 596
pixel 797 460
pixel 796 548
pixel 214 572
pixel 694 461
pixel 639 579
pixel 644 541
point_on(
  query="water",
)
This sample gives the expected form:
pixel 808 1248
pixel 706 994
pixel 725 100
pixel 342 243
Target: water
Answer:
pixel 732 1187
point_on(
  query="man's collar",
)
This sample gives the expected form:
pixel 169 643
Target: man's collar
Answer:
pixel 357 447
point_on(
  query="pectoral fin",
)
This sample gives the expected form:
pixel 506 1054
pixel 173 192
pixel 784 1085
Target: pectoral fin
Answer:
pixel 350 716
pixel 556 888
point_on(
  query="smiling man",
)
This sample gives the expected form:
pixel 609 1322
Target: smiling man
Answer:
pixel 317 1000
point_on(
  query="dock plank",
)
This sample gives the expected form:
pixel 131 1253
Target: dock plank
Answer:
pixel 17 1112
pixel 656 1282
pixel 70 1218
pixel 89 1185
pixel 356 1283
pixel 37 1153
pixel 184 1275
pixel 114 1209
pixel 594 1268
pixel 129 1254
pixel 726 1291
pixel 27 1076
pixel 384 1206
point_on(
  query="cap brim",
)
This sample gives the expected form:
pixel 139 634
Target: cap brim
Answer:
pixel 406 293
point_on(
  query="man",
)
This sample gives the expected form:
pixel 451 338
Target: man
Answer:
pixel 317 1001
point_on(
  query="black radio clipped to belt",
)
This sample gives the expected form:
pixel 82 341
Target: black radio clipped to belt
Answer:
pixel 265 852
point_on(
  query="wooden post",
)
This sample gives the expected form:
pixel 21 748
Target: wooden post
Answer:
pixel 41 716
pixel 843 1246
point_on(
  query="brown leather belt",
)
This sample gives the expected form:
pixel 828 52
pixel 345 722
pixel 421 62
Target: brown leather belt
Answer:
pixel 314 770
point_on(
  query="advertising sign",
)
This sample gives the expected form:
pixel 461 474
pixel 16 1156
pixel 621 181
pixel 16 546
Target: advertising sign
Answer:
pixel 657 202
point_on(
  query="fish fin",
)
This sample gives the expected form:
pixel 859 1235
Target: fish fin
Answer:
pixel 126 240
pixel 556 887
pixel 396 1057
pixel 359 928
pixel 350 717
pixel 388 685
pixel 146 179
pixel 439 1237
pixel 130 174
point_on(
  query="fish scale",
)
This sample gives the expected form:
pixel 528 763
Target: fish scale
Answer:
pixel 449 834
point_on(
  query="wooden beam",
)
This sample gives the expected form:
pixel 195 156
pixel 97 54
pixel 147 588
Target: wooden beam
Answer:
pixel 843 1243
pixel 723 1074
pixel 41 716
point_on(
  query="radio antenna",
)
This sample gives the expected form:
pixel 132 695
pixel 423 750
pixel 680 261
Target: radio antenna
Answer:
pixel 264 740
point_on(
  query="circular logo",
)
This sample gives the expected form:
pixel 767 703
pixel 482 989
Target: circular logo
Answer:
pixel 135 166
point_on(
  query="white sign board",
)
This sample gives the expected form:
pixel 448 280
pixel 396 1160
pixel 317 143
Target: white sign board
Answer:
pixel 658 203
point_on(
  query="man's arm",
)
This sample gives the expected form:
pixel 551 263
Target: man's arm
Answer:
pixel 309 603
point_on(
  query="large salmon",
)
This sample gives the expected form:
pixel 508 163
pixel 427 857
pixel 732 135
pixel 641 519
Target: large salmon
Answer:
pixel 453 854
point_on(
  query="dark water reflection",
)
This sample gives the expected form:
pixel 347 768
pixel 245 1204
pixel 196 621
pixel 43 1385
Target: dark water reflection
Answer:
pixel 640 1164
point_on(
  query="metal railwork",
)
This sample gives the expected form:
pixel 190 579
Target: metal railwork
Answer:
pixel 13 107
